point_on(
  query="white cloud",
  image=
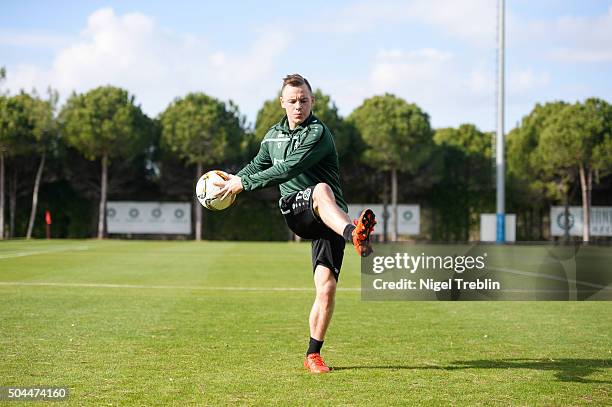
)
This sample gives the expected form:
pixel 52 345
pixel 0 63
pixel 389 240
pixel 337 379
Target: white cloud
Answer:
pixel 444 86
pixel 450 89
pixel 481 81
pixel 154 63
pixel 27 77
pixel 581 56
pixel 452 76
pixel 431 54
pixel 358 17
pixel 568 39
pixel 33 39
pixel 472 20
pixel 434 79
pixel 414 72
pixel 582 39
pixel 525 80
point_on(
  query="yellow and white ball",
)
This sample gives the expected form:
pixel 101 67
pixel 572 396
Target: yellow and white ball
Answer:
pixel 207 192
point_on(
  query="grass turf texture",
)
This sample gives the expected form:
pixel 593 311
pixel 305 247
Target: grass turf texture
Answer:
pixel 129 323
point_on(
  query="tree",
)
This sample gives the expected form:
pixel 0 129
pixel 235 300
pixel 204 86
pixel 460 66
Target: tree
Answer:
pixel 270 113
pixel 6 140
pixel 599 159
pixel 398 137
pixel 526 165
pixel 44 133
pixel 347 140
pixel 203 131
pixel 466 184
pixel 16 128
pixel 577 139
pixel 104 124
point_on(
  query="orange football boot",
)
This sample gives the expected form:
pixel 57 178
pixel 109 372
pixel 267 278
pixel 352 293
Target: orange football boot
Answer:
pixel 364 226
pixel 315 363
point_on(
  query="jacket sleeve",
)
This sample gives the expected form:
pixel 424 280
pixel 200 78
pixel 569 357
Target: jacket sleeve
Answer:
pixel 313 148
pixel 259 163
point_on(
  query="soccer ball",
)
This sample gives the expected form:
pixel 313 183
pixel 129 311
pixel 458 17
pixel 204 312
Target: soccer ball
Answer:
pixel 207 192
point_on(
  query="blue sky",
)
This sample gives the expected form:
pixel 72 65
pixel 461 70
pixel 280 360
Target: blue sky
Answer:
pixel 440 54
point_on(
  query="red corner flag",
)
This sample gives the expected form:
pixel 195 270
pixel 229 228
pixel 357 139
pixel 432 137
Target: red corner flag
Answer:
pixel 48 223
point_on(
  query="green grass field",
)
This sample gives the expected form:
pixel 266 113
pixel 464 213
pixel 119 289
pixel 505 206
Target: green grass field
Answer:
pixel 186 323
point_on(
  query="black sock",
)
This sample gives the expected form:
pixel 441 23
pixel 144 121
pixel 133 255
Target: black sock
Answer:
pixel 314 346
pixel 348 232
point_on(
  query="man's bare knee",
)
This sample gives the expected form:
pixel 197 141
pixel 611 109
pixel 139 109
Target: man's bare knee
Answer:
pixel 326 302
pixel 322 190
pixel 326 292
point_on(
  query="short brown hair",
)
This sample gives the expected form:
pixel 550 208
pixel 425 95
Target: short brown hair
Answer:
pixel 295 80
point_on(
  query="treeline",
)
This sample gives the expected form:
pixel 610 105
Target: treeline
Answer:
pixel 99 145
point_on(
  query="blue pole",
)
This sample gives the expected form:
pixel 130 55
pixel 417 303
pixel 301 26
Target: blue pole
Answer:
pixel 501 228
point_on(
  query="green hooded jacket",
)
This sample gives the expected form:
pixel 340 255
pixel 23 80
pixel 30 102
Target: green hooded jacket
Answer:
pixel 295 159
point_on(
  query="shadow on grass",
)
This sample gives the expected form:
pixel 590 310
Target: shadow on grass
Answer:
pixel 566 370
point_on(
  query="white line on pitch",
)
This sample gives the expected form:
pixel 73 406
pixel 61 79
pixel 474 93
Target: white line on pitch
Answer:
pixel 547 277
pixel 165 287
pixel 33 253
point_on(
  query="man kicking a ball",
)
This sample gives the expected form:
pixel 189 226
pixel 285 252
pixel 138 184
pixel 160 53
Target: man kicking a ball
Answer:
pixel 300 156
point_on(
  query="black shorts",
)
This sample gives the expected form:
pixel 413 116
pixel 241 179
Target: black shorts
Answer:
pixel 327 245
